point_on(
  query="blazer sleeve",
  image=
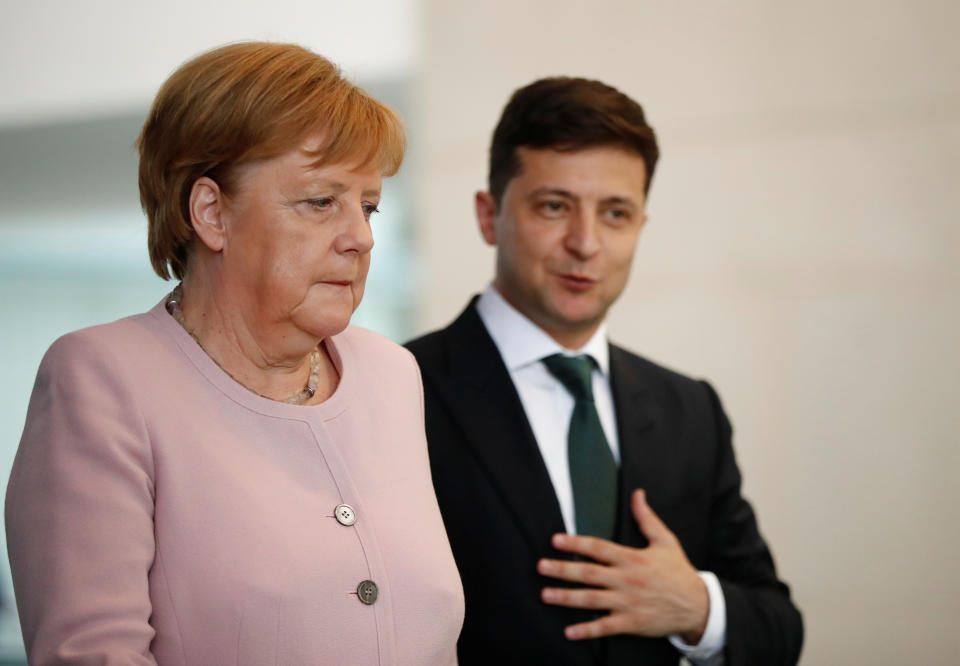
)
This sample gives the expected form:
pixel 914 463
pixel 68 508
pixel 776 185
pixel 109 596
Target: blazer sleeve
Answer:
pixel 763 625
pixel 79 512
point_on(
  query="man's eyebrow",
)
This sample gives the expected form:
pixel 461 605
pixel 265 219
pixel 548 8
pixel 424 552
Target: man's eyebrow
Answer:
pixel 621 201
pixel 615 200
pixel 555 191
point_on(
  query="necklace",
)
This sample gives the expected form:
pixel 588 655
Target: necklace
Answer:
pixel 173 307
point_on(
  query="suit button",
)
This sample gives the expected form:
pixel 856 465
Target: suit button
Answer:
pixel 368 592
pixel 345 514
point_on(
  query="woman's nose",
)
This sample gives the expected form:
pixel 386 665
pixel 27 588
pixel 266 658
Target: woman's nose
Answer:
pixel 357 236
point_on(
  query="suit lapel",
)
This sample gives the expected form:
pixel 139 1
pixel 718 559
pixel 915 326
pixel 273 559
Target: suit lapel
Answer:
pixel 477 389
pixel 643 450
pixel 475 386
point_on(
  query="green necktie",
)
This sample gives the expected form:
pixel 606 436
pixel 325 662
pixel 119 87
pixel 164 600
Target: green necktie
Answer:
pixel 593 471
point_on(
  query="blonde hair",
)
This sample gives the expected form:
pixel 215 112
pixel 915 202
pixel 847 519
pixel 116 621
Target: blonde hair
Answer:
pixel 245 102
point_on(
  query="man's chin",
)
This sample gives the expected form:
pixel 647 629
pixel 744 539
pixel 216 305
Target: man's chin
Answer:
pixel 576 313
pixel 572 328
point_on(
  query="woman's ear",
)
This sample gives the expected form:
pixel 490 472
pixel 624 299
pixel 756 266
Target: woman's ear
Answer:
pixel 207 212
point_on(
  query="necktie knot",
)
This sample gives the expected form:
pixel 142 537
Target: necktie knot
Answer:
pixel 574 372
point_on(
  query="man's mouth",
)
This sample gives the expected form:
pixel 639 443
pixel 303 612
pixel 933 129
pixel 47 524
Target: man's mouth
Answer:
pixel 576 281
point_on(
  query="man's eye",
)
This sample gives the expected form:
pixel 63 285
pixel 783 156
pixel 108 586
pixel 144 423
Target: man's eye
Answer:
pixel 618 214
pixel 370 209
pixel 552 207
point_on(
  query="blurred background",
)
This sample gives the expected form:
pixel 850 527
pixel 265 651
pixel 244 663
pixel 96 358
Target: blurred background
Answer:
pixel 802 253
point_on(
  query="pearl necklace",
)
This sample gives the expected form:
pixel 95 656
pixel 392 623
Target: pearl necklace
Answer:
pixel 316 366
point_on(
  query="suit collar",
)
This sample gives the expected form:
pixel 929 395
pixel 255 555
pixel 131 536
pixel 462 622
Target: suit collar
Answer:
pixel 477 389
pixel 644 447
pixel 471 353
pixel 521 342
pixel 635 399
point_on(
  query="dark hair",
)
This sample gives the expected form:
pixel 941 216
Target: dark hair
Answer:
pixel 567 114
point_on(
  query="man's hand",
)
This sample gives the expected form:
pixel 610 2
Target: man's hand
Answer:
pixel 652 591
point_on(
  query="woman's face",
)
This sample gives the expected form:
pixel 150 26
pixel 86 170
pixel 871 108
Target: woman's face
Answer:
pixel 297 242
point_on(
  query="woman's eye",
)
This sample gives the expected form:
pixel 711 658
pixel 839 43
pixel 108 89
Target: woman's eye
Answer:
pixel 320 203
pixel 370 209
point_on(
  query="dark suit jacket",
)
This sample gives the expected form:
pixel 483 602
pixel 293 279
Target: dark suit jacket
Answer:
pixel 499 507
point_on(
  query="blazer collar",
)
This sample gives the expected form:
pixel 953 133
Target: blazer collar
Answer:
pixel 644 448
pixel 521 342
pixel 477 388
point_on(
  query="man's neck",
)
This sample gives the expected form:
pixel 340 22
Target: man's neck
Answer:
pixel 521 341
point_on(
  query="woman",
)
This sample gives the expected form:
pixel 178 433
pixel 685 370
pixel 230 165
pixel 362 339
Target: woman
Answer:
pixel 238 476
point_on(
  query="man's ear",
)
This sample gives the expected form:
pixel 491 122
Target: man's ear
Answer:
pixel 207 213
pixel 486 215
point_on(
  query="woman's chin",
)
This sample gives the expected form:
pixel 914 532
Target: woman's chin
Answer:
pixel 324 311
pixel 324 324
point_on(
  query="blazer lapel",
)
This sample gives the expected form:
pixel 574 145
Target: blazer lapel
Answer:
pixel 477 389
pixel 642 448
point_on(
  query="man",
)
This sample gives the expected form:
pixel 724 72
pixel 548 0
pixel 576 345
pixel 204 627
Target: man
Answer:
pixel 591 497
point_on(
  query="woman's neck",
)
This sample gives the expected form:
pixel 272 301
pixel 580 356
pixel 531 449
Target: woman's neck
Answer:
pixel 268 359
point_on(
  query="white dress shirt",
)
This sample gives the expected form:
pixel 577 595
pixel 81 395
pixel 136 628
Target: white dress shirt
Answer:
pixel 549 406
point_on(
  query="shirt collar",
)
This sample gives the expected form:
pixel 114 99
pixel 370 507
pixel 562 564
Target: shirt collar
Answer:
pixel 522 343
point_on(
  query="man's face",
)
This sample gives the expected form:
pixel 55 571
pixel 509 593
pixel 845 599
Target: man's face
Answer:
pixel 565 234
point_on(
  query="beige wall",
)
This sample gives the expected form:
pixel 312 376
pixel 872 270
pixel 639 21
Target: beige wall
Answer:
pixel 803 254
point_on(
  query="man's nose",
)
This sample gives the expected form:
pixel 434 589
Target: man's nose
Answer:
pixel 582 237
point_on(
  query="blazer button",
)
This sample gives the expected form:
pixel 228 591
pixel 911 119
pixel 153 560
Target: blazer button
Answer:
pixel 368 592
pixel 345 514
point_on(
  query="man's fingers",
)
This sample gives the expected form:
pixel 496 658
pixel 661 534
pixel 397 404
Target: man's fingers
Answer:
pixel 595 548
pixel 580 598
pixel 605 626
pixel 587 573
pixel 650 524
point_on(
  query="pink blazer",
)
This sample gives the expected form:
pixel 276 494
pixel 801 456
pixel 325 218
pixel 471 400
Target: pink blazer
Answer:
pixel 158 512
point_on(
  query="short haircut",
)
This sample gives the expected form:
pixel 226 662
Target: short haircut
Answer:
pixel 567 114
pixel 241 103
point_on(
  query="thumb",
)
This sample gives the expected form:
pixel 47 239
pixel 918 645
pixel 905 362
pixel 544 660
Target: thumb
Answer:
pixel 649 522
